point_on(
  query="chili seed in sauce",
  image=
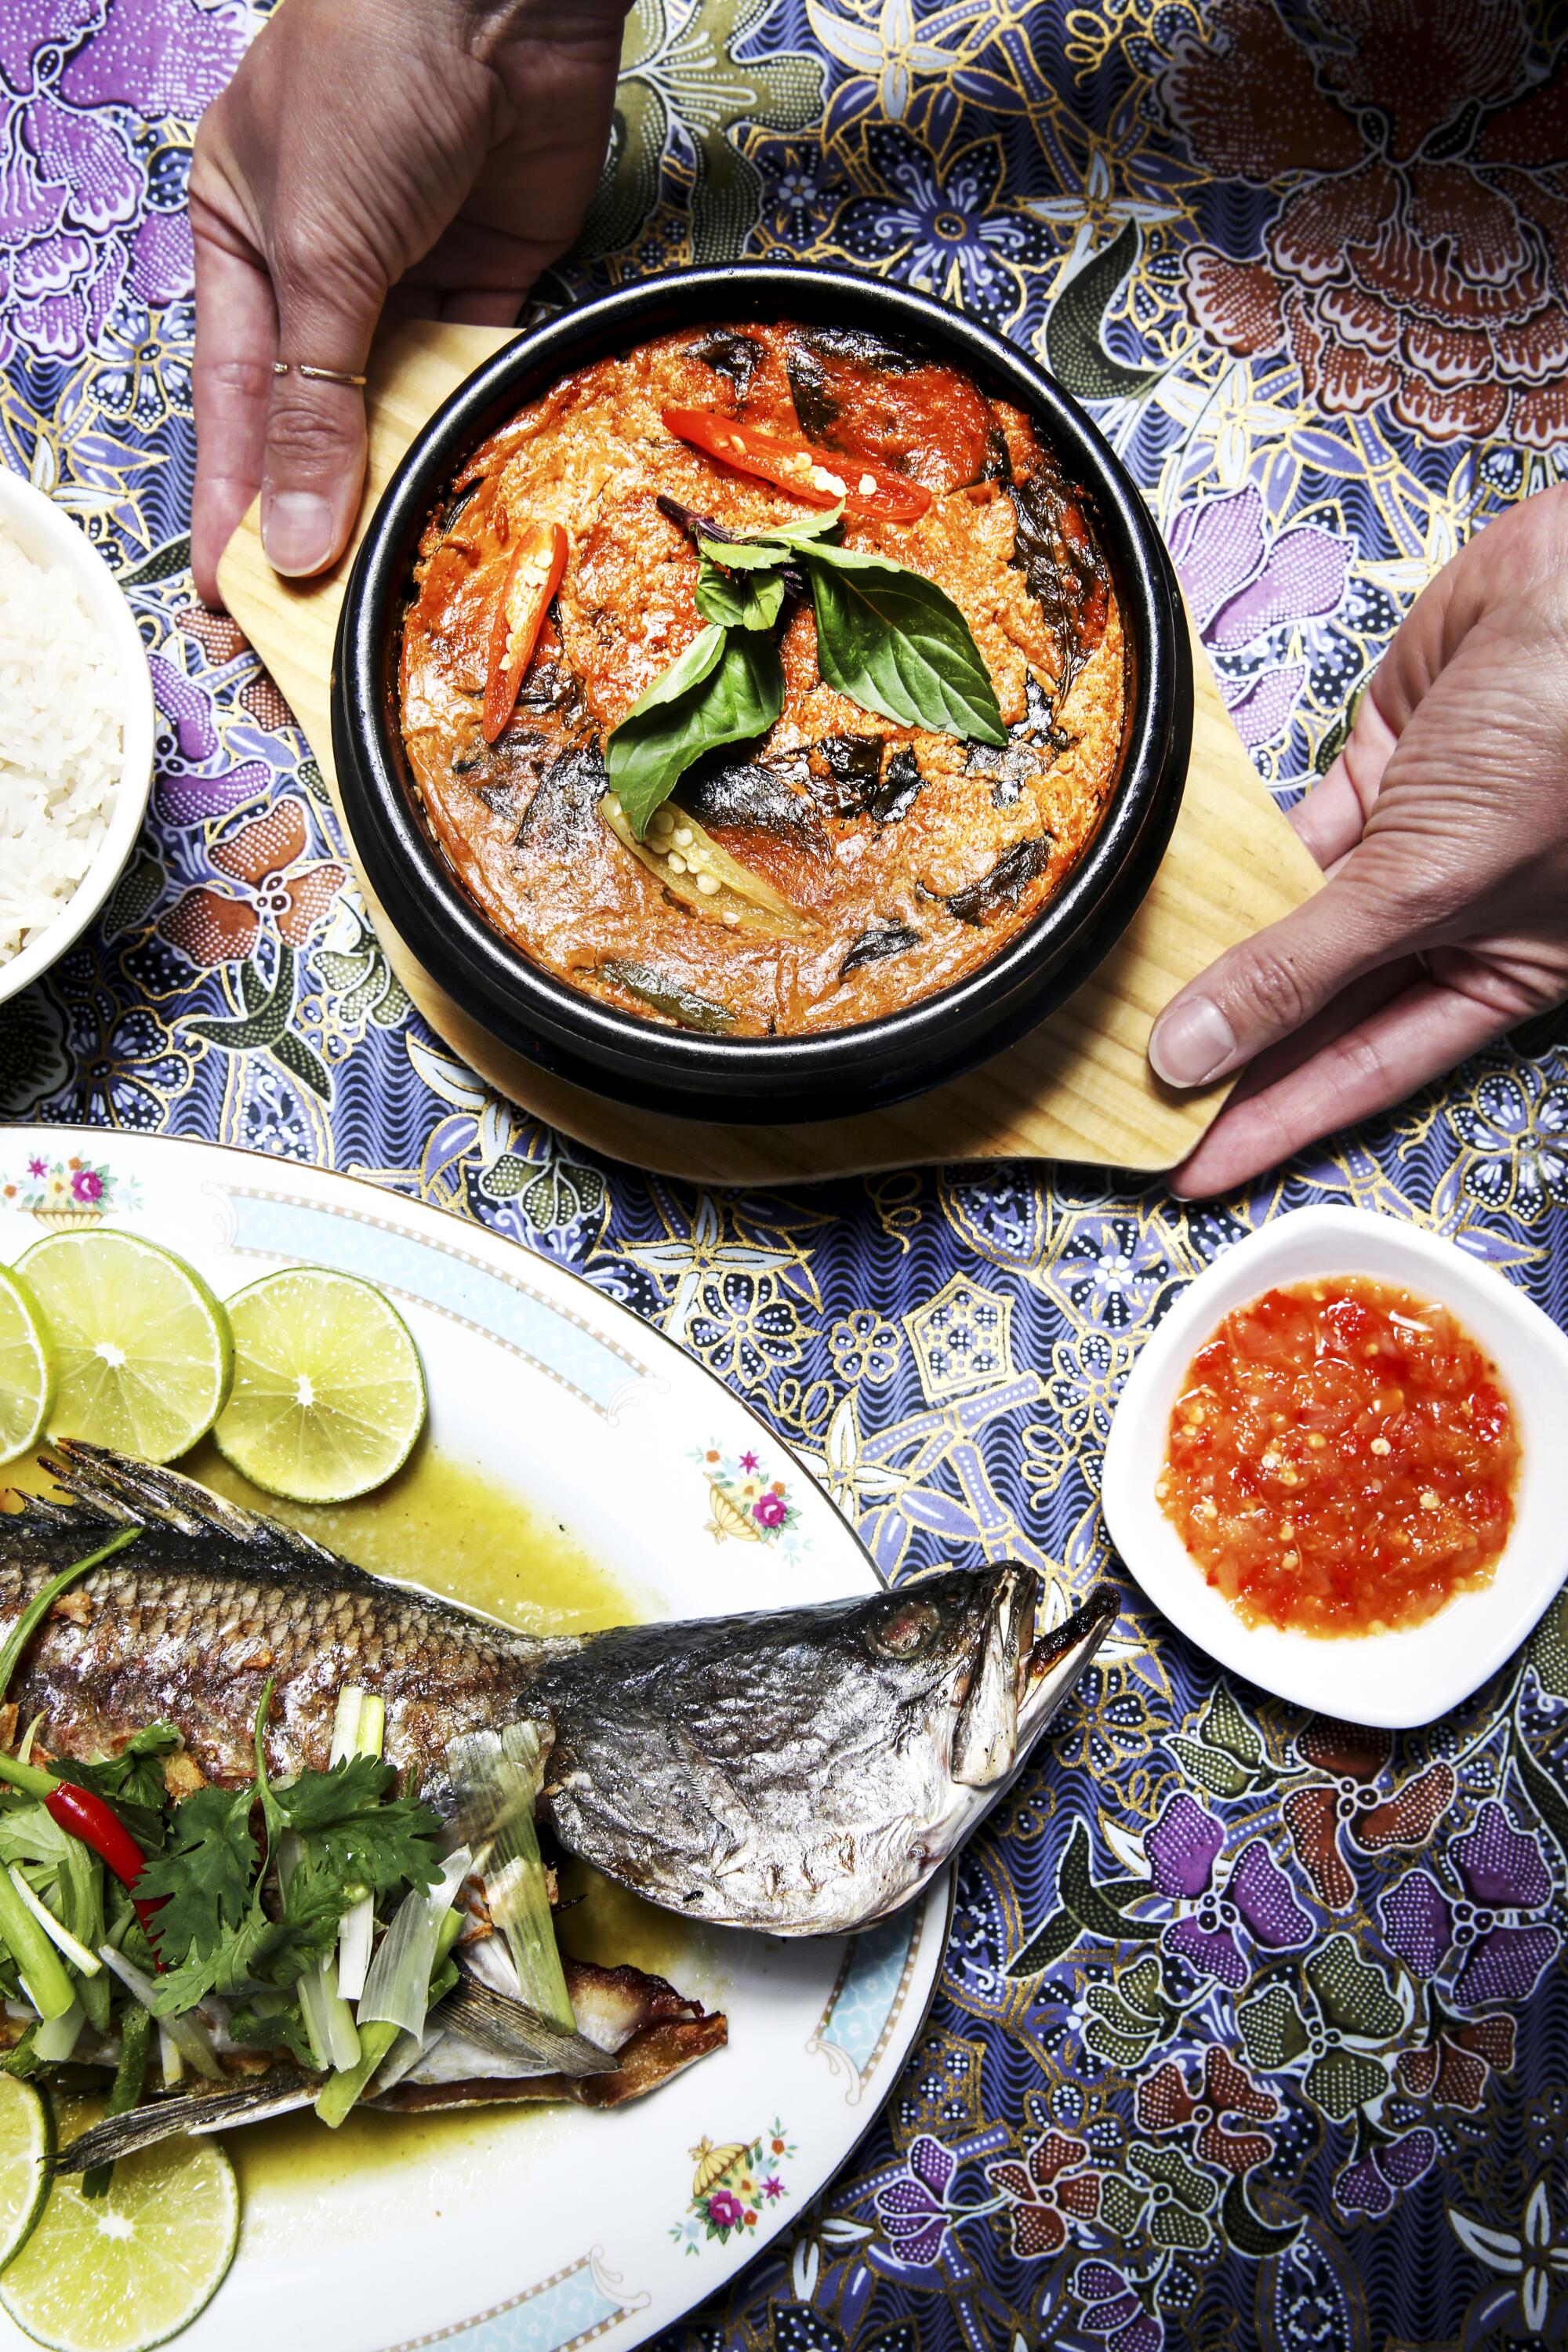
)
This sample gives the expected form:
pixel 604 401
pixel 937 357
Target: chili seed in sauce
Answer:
pixel 1342 1459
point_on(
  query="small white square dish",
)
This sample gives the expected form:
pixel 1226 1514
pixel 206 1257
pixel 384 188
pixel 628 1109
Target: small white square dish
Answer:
pixel 1410 1675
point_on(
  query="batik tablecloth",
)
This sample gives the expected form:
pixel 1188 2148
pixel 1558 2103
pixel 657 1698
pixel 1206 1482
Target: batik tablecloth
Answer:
pixel 1253 2028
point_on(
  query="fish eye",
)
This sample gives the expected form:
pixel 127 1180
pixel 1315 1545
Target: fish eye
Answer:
pixel 907 1632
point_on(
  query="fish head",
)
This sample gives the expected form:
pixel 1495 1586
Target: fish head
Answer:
pixel 806 1771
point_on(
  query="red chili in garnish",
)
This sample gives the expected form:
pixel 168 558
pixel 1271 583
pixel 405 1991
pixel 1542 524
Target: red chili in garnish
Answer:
pixel 89 1819
pixel 870 492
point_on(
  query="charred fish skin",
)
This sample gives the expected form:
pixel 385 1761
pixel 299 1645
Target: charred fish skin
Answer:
pixel 808 1771
pixel 802 1772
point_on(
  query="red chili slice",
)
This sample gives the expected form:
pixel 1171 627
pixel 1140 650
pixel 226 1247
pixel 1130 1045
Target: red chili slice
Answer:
pixel 870 492
pixel 532 577
pixel 89 1819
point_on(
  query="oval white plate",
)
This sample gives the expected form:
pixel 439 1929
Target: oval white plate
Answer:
pixel 47 533
pixel 542 2230
pixel 1391 1680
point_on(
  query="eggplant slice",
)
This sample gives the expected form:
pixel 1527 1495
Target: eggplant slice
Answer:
pixel 1005 884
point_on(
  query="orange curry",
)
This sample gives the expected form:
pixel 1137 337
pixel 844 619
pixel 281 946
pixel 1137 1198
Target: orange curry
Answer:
pixel 1342 1459
pixel 842 863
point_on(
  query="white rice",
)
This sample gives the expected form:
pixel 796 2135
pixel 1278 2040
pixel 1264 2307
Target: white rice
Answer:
pixel 60 750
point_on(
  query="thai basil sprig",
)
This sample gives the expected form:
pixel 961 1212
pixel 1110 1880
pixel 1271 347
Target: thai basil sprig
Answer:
pixel 887 638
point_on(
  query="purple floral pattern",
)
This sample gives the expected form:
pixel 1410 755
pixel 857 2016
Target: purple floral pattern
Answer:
pixel 948 232
pixel 946 1348
pixel 1481 1926
pixel 1218 1911
pixel 913 2208
pixel 1247 595
pixel 83 263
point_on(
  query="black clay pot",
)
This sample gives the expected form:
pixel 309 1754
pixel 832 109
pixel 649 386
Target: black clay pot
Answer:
pixel 832 1072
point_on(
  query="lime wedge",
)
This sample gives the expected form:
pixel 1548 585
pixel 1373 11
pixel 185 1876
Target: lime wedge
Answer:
pixel 142 1348
pixel 27 2151
pixel 328 1392
pixel 129 2268
pixel 27 1370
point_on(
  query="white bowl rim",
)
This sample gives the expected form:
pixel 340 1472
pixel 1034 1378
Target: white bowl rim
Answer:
pixel 1394 1680
pixel 42 529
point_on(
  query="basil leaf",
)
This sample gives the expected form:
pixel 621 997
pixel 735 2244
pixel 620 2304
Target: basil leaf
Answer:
pixel 801 533
pixel 743 554
pixel 894 641
pixel 726 686
pixel 752 603
pixel 765 548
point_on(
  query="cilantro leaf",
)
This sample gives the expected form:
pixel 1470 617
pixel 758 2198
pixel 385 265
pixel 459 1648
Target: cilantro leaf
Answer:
pixel 353 1840
pixel 264 1791
pixel 260 1950
pixel 217 1934
pixel 275 2028
pixel 318 1799
pixel 202 1875
pixel 132 1781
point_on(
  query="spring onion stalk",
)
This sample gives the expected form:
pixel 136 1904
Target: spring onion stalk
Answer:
pixel 93 1992
pixel 404 2055
pixel 329 2021
pixel 58 1933
pixel 187 2033
pixel 29 1737
pixel 58 2036
pixel 44 1600
pixel 397 1990
pixel 44 1980
pixel 497 1783
pixel 339 2096
pixel 65 1876
pixel 130 2082
pixel 171 2065
pixel 359 1730
pixel 381 2041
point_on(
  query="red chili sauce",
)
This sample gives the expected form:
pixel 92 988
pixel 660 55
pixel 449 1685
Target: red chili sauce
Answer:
pixel 1342 1459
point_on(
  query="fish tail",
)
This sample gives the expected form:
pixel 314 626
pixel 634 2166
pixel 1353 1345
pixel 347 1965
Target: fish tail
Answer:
pixel 139 1494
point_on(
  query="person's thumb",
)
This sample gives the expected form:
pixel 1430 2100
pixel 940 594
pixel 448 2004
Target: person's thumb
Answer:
pixel 314 466
pixel 1265 988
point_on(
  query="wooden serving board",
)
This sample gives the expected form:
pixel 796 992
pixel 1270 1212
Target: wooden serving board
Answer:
pixel 1080 1088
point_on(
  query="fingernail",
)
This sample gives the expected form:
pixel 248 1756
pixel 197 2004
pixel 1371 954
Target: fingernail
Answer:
pixel 297 531
pixel 1191 1043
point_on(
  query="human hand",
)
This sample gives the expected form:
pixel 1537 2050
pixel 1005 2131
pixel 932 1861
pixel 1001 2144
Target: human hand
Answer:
pixel 442 147
pixel 1444 827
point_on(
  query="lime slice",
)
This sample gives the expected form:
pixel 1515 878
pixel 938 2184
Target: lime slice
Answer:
pixel 27 2151
pixel 129 2268
pixel 27 1370
pixel 142 1348
pixel 328 1392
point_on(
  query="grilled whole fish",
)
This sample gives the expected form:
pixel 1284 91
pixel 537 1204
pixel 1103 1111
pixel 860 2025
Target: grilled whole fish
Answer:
pixel 802 1772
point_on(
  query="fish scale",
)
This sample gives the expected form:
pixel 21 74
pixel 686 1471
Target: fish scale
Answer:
pixel 801 1771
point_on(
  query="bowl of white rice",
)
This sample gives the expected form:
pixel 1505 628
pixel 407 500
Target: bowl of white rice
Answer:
pixel 76 734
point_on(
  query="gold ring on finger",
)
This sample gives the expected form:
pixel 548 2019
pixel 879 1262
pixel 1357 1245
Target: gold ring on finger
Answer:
pixel 316 375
